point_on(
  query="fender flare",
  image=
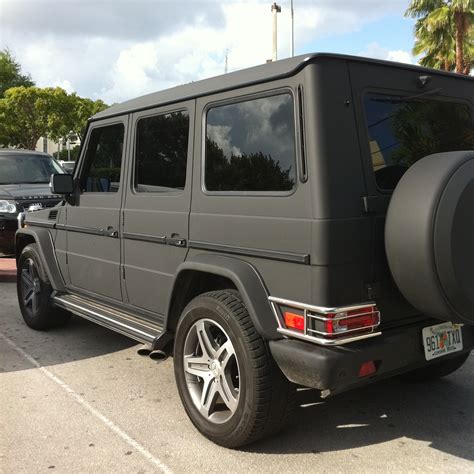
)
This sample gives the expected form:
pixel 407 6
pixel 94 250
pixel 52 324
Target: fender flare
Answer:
pixel 43 238
pixel 246 279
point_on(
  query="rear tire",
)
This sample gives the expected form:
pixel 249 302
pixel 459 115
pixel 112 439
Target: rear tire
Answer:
pixel 34 292
pixel 437 370
pixel 230 386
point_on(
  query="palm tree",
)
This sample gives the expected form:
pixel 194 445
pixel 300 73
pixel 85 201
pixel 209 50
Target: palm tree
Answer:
pixel 438 47
pixel 444 32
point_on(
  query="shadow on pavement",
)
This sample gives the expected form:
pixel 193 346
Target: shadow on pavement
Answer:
pixel 440 413
pixel 437 412
pixel 79 339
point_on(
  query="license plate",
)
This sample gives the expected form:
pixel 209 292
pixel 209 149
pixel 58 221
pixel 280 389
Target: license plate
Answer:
pixel 441 340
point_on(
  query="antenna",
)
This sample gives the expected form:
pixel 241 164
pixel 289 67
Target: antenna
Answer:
pixel 226 53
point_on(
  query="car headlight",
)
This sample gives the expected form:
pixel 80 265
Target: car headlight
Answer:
pixel 7 207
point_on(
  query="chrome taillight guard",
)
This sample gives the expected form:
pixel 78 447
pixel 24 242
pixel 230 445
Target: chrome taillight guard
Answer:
pixel 321 310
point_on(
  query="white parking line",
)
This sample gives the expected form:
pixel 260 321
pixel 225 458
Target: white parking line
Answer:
pixel 93 411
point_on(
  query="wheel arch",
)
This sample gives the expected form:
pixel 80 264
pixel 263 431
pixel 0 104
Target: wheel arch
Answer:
pixel 41 237
pixel 220 272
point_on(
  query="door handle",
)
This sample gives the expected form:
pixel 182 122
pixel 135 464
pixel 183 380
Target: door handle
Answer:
pixel 110 232
pixel 175 241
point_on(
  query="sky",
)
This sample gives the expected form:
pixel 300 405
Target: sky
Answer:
pixel 115 50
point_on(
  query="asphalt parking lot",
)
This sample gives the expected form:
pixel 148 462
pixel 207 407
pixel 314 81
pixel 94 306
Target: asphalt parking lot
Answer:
pixel 80 399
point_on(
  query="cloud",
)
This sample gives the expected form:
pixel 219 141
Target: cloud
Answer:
pixel 400 56
pixel 122 19
pixel 374 50
pixel 66 85
pixel 119 49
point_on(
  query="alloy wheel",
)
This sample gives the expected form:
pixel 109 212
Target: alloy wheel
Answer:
pixel 30 285
pixel 212 371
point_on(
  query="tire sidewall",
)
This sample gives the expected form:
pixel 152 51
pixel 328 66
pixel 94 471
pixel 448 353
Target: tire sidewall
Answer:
pixel 209 308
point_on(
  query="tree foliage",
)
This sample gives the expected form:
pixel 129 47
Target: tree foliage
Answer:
pixel 81 109
pixel 10 73
pixel 65 155
pixel 28 113
pixel 444 33
pixel 245 172
pixel 422 128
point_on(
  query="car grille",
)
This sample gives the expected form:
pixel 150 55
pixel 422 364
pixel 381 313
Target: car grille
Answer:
pixel 24 204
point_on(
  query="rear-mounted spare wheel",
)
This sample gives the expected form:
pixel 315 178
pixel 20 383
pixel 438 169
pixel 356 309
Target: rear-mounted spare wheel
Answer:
pixel 429 236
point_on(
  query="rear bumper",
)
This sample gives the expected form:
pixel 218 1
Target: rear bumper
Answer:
pixel 8 227
pixel 337 368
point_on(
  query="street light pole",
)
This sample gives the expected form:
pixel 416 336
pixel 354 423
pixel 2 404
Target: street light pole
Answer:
pixel 275 10
pixel 292 30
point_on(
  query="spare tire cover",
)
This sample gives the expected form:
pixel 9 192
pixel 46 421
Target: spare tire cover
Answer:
pixel 429 236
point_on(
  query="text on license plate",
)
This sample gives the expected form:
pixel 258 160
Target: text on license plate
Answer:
pixel 441 339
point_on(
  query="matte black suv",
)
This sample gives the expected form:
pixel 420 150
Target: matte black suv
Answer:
pixel 240 223
pixel 24 185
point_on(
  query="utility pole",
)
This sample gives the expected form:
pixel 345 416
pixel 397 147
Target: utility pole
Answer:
pixel 292 30
pixel 275 10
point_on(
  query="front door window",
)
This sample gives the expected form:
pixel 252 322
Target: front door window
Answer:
pixel 103 162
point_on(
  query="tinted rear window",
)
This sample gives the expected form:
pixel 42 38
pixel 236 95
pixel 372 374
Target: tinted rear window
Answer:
pixel 250 145
pixel 401 132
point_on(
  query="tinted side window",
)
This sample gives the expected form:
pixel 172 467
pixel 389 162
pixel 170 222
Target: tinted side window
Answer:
pixel 103 160
pixel 250 145
pixel 161 153
pixel 402 131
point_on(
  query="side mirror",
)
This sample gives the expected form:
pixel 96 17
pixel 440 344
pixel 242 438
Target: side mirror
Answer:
pixel 61 183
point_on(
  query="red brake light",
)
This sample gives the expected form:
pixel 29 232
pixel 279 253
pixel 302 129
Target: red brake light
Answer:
pixel 361 318
pixel 294 321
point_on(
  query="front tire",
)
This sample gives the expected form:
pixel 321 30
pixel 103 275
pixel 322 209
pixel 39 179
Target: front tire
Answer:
pixel 229 384
pixel 34 292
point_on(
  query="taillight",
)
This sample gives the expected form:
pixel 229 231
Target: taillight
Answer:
pixel 294 321
pixel 367 368
pixel 353 320
pixel 327 326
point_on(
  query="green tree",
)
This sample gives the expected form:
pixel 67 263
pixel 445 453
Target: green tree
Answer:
pixel 10 73
pixel 28 113
pixel 444 33
pixel 24 115
pixel 81 110
pixel 65 155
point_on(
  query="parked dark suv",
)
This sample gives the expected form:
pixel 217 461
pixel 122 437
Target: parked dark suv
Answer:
pixel 24 185
pixel 307 222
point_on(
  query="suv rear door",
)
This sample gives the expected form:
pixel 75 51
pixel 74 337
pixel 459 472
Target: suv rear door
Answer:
pixel 93 222
pixel 403 114
pixel 157 203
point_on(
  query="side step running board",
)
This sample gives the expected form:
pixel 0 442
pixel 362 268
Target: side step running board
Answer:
pixel 119 321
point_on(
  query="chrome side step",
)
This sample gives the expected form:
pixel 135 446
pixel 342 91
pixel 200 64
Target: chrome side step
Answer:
pixel 119 321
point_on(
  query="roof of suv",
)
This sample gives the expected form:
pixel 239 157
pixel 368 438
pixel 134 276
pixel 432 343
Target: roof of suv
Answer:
pixel 245 77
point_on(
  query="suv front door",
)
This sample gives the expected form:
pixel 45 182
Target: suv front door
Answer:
pixel 93 222
pixel 157 204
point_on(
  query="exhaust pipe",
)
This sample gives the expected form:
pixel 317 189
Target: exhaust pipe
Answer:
pixel 158 355
pixel 144 350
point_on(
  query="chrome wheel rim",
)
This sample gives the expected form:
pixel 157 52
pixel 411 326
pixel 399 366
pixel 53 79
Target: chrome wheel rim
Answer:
pixel 211 370
pixel 30 286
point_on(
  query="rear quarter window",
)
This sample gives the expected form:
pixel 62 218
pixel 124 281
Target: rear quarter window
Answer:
pixel 402 131
pixel 250 146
